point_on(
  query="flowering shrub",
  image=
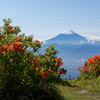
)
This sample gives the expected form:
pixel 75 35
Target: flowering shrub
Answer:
pixel 91 68
pixel 24 75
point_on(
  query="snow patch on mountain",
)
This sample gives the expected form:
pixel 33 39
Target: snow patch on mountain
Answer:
pixel 90 38
pixel 43 40
pixel 68 32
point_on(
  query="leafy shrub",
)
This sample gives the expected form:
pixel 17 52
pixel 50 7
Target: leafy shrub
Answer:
pixel 91 68
pixel 24 75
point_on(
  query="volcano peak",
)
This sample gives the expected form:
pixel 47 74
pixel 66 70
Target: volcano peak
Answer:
pixel 68 32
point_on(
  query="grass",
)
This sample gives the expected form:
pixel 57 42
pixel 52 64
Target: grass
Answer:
pixel 71 89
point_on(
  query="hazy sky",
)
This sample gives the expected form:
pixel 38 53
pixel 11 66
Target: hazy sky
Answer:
pixel 48 18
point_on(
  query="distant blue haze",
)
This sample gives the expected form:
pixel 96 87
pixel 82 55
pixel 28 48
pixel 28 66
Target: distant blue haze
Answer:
pixel 72 51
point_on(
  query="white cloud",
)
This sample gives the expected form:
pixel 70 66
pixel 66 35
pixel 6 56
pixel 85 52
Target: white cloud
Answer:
pixel 81 41
pixel 43 40
pixel 93 41
pixel 91 37
pixel 88 40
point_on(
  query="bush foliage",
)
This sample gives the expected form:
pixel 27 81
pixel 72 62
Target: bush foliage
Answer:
pixel 24 75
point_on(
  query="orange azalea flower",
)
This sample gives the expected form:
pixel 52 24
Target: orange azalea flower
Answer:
pixel 12 30
pixel 33 61
pixel 85 61
pixel 10 27
pixel 59 60
pixel 23 48
pixel 1 48
pixel 5 46
pixel 44 74
pixel 2 64
pixel 97 69
pixel 38 42
pixel 56 65
pixel 99 59
pixel 18 46
pixel 88 63
pixel 36 56
pixel 11 47
pixel 92 68
pixel 45 54
pixel 86 69
pixel 93 62
pixel 61 63
pixel 18 39
pixel 37 65
pixel 7 71
pixel 3 36
pixel 30 39
pixel 62 71
pixel 88 59
pixel 79 68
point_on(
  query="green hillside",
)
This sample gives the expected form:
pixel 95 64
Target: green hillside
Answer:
pixel 80 90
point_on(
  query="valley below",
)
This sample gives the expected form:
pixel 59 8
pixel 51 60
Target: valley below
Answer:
pixel 73 56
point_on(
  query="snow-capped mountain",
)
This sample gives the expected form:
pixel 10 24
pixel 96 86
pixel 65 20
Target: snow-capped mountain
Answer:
pixel 68 32
pixel 70 37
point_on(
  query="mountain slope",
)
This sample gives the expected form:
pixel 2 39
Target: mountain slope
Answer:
pixel 70 37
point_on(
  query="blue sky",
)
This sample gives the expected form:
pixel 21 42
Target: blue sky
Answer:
pixel 48 18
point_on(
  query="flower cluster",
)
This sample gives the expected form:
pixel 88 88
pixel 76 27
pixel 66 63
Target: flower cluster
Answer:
pixel 20 68
pixel 44 74
pixel 18 39
pixel 62 71
pixel 91 66
pixel 37 41
pixel 39 66
pixel 11 28
pixel 12 47
pixel 59 62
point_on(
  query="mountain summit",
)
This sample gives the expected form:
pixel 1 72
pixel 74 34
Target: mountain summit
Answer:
pixel 68 32
pixel 67 37
pixel 70 37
